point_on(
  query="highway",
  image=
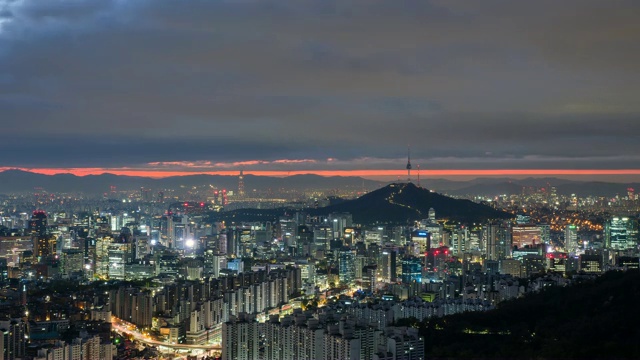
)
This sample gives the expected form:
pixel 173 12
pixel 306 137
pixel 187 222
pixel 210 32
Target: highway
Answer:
pixel 119 327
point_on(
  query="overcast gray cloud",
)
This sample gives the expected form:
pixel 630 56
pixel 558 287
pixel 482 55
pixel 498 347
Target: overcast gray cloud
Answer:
pixel 470 84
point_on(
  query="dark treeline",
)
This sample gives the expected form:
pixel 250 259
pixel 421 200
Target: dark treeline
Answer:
pixel 591 319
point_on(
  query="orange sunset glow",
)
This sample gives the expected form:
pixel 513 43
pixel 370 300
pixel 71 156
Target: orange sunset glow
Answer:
pixel 362 173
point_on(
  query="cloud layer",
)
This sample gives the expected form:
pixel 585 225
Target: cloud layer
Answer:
pixel 491 84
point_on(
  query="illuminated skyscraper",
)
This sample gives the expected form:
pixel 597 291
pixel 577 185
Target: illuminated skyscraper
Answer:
pixel 347 265
pixel 411 270
pixel 38 223
pixel 101 260
pixel 322 234
pixel 621 233
pixel 571 238
pixel 387 264
pixel 496 241
pixel 44 244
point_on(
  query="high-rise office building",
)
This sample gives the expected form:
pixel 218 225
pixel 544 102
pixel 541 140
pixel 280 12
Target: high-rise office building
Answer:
pixel 38 223
pixel 44 243
pixel 621 233
pixel 496 239
pixel 347 265
pixel 44 246
pixel 571 238
pixel 411 270
pixel 322 234
pixel 387 264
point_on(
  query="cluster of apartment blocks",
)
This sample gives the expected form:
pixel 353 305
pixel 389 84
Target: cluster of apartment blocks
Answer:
pixel 384 313
pixel 312 336
pixel 83 348
pixel 342 330
pixel 193 311
pixel 13 333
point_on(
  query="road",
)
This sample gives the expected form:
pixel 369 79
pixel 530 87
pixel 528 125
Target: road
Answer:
pixel 140 337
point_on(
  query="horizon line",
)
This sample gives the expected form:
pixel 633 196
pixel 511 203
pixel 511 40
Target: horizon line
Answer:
pixel 156 173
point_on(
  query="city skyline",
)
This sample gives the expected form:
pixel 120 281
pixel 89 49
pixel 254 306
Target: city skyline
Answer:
pixel 292 86
pixel 319 179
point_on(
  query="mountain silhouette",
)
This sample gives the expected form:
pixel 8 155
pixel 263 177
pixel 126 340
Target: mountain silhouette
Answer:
pixel 403 202
pixel 396 203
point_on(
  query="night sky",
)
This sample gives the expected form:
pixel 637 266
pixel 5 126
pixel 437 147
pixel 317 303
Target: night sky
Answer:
pixel 319 84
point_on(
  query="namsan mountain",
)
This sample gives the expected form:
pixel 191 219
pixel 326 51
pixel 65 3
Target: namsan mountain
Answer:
pixel 394 204
pixel 400 203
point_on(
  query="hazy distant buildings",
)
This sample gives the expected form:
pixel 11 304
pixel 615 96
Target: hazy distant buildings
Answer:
pixel 241 193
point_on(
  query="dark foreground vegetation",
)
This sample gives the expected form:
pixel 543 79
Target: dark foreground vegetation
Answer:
pixel 592 319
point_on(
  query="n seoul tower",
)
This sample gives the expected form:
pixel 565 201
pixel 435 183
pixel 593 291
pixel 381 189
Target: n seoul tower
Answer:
pixel 409 163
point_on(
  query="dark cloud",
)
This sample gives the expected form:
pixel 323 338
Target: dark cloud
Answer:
pixel 534 84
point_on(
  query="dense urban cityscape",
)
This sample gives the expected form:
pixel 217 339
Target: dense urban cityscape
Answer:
pixel 164 273
pixel 319 179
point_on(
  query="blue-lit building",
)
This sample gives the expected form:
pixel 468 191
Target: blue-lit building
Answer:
pixel 411 270
pixel 346 266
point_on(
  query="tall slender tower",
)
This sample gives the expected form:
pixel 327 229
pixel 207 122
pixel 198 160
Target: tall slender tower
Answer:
pixel 409 163
pixel 418 175
pixel 241 184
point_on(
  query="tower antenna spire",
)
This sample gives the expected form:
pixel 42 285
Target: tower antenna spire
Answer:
pixel 418 175
pixel 409 163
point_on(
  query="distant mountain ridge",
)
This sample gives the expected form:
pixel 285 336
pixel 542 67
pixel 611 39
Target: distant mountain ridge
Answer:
pixel 16 181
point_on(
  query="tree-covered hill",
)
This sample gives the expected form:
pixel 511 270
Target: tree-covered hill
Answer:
pixel 592 319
